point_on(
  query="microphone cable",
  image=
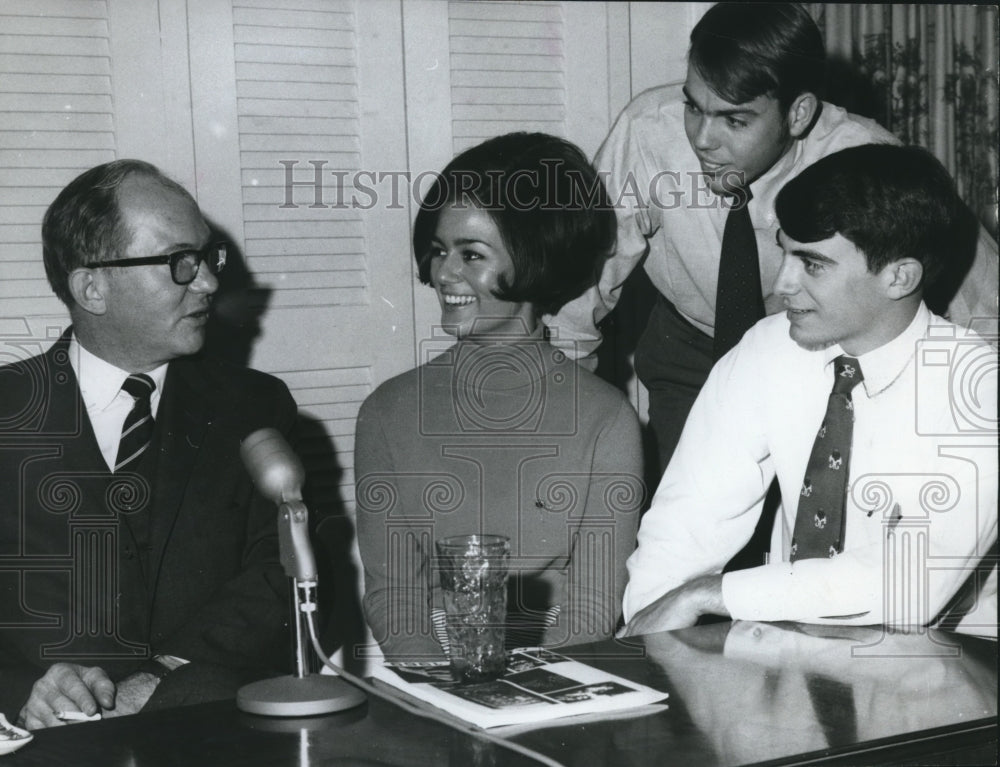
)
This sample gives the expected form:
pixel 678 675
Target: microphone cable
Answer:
pixel 308 607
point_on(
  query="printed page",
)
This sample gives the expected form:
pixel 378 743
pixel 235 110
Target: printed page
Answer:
pixel 538 686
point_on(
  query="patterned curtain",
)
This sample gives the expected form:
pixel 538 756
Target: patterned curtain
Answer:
pixel 928 73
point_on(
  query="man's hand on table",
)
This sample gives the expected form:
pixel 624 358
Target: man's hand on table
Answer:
pixel 67 687
pixel 679 608
pixel 133 692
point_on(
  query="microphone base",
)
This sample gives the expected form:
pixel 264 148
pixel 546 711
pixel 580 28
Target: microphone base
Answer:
pixel 298 696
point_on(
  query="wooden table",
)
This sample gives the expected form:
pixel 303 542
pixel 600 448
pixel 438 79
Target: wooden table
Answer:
pixel 740 694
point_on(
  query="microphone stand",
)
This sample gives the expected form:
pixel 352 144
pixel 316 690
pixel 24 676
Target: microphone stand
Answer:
pixel 301 694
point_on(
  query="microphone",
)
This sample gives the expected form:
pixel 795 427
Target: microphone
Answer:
pixel 278 475
pixel 275 469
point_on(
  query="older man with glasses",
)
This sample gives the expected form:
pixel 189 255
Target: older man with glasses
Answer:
pixel 138 566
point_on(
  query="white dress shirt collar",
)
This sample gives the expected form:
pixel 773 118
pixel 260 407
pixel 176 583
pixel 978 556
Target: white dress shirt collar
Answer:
pixel 101 382
pixel 882 366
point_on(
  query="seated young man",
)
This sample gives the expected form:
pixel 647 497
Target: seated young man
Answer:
pixel 877 417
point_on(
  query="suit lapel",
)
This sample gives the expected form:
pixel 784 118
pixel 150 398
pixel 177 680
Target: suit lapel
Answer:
pixel 65 413
pixel 184 415
pixel 66 418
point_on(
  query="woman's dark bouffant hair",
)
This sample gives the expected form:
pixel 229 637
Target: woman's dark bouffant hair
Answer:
pixel 550 207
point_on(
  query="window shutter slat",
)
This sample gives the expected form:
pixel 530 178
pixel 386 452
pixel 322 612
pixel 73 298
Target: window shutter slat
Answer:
pixel 56 98
pixel 507 69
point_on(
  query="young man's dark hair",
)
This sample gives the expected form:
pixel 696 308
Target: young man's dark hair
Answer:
pixel 891 202
pixel 746 50
pixel 550 207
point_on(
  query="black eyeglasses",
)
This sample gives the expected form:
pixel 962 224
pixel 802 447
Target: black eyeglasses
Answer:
pixel 184 264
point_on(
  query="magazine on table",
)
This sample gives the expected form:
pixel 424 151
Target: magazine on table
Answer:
pixel 538 686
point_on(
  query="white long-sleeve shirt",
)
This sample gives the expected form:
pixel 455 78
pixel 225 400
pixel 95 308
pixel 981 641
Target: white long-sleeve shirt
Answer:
pixel 922 501
pixel 667 214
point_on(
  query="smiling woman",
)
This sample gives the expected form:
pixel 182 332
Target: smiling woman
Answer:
pixel 468 261
pixel 538 198
pixel 502 433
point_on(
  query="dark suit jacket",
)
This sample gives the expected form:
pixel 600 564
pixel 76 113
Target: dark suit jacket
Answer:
pixel 105 570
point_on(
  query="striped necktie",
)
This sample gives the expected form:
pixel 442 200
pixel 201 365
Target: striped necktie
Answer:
pixel 137 431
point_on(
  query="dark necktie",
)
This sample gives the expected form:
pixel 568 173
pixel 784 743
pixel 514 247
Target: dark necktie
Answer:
pixel 819 521
pixel 137 431
pixel 835 709
pixel 738 300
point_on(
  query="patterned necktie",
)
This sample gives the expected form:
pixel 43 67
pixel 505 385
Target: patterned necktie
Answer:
pixel 738 300
pixel 137 431
pixel 819 522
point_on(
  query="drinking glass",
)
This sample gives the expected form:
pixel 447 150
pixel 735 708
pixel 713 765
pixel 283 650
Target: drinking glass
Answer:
pixel 474 572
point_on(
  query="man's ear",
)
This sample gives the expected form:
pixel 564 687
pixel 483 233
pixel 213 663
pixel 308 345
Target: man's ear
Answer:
pixel 903 277
pixel 88 288
pixel 801 113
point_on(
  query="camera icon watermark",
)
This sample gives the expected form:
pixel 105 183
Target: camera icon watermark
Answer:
pixel 510 386
pixel 966 368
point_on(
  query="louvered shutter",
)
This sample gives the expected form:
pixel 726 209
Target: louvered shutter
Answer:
pixel 507 69
pixel 58 120
pixel 339 311
pixel 296 85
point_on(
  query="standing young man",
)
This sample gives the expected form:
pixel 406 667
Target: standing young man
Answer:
pixel 694 182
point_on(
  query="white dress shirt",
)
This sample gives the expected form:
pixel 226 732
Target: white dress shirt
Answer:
pixel 922 497
pixel 107 405
pixel 667 214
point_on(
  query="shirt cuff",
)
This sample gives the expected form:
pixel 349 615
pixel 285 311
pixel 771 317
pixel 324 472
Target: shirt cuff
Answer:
pixel 170 662
pixel 759 593
pixel 161 665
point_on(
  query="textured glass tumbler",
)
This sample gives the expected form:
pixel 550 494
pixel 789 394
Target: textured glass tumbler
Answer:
pixel 474 581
